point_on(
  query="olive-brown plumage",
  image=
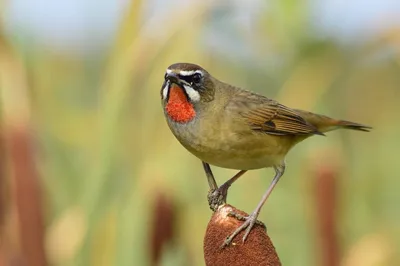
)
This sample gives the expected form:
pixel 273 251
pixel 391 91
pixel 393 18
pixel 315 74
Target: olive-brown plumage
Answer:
pixel 230 127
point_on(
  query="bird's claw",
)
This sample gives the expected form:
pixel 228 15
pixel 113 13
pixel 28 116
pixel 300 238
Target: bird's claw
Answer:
pixel 249 222
pixel 217 197
pixel 244 218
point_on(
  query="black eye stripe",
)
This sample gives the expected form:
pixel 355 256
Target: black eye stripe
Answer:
pixel 191 78
pixel 188 79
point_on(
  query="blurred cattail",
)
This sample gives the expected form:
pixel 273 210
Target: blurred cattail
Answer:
pixel 325 193
pixel 18 148
pixel 3 190
pixel 28 199
pixel 3 182
pixel 162 228
pixel 257 250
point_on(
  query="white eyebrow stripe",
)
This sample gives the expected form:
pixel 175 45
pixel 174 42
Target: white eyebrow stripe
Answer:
pixel 190 72
pixel 186 72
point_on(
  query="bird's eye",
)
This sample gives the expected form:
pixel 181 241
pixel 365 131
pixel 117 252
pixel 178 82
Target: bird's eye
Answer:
pixel 196 78
pixel 165 76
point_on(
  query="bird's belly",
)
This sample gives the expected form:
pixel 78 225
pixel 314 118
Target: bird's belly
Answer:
pixel 241 153
pixel 244 159
pixel 233 150
pixel 244 162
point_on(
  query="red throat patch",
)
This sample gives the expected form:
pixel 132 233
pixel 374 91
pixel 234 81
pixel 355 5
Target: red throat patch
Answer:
pixel 178 107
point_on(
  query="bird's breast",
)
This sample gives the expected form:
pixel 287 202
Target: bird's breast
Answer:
pixel 178 108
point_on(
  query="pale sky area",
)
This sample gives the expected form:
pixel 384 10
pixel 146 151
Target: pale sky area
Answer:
pixel 81 24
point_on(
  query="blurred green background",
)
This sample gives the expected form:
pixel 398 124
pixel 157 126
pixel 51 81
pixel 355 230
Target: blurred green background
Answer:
pixel 84 81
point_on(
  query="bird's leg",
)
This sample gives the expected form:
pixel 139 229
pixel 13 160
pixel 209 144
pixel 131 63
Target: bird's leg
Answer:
pixel 252 218
pixel 210 177
pixel 217 197
pixel 213 199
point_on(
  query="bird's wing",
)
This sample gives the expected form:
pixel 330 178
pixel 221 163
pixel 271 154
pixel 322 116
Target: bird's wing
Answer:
pixel 268 116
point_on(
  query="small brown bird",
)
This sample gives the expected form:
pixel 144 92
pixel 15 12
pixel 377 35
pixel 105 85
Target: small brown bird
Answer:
pixel 230 127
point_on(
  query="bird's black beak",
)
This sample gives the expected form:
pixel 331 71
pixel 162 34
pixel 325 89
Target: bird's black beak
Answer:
pixel 173 78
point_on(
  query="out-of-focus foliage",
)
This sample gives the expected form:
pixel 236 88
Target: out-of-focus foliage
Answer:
pixel 104 151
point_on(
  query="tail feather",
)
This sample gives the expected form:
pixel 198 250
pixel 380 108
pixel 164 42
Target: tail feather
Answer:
pixel 324 123
pixel 353 126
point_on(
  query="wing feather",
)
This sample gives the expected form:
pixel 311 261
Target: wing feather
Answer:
pixel 271 117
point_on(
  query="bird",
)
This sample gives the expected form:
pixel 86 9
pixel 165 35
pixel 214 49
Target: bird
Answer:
pixel 230 127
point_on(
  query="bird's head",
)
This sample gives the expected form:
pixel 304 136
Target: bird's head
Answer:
pixel 186 89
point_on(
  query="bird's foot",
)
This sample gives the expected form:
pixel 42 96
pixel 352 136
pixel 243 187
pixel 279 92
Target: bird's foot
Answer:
pixel 244 218
pixel 249 222
pixel 217 197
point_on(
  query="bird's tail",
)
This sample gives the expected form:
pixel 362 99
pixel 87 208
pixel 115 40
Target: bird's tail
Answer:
pixel 352 125
pixel 324 123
